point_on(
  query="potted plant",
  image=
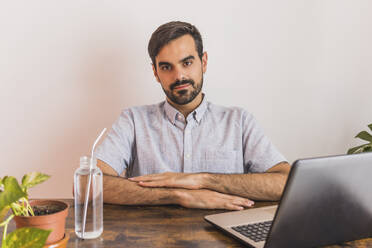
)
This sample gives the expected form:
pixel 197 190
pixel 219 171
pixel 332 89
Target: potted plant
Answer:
pixel 364 135
pixel 39 223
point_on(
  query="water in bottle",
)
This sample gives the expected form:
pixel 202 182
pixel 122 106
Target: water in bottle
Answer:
pixel 94 210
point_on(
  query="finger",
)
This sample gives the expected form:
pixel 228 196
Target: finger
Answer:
pixel 240 200
pixel 237 200
pixel 137 179
pixel 243 202
pixel 145 178
pixel 231 206
pixel 153 184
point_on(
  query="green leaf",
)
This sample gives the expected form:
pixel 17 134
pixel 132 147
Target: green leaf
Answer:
pixel 357 149
pixel 12 192
pixel 368 148
pixel 370 126
pixel 31 179
pixel 27 237
pixel 364 136
pixel 3 212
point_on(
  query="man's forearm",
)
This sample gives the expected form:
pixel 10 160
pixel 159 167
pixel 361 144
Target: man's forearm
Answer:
pixel 255 186
pixel 118 190
pixel 258 186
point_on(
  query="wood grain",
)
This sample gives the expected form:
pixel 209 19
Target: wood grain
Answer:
pixel 162 226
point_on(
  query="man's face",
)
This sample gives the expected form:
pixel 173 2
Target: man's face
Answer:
pixel 179 70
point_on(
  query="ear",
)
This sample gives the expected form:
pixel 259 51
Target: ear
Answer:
pixel 155 73
pixel 204 61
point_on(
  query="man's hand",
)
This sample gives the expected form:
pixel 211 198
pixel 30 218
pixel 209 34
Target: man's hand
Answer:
pixel 259 186
pixel 192 195
pixel 208 199
pixel 170 180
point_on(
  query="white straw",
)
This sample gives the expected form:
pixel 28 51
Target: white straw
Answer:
pixel 89 182
pixel 95 143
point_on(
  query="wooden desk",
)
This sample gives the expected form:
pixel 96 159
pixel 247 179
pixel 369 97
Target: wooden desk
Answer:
pixel 161 226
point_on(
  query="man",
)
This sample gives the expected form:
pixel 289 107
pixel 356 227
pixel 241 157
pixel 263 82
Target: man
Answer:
pixel 186 150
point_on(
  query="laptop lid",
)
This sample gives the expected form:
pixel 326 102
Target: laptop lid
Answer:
pixel 326 200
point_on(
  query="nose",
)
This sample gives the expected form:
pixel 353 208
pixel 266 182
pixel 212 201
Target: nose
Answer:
pixel 179 74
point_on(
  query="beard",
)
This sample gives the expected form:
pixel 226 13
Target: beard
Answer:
pixel 183 96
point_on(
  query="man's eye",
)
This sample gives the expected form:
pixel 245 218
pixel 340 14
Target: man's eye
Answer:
pixel 165 68
pixel 187 63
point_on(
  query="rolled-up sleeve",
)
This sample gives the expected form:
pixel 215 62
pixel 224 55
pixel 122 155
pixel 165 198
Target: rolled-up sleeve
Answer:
pixel 116 149
pixel 259 153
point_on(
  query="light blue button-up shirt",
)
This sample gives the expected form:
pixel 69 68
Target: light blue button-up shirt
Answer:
pixel 157 138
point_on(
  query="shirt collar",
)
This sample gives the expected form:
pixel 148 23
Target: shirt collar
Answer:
pixel 171 112
pixel 198 113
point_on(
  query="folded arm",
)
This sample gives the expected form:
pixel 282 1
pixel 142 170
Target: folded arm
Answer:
pixel 119 190
pixel 256 186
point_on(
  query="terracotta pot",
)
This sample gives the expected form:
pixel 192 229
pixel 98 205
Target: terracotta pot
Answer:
pixel 59 244
pixel 55 222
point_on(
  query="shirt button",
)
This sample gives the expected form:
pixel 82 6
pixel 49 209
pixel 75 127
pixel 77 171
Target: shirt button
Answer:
pixel 187 155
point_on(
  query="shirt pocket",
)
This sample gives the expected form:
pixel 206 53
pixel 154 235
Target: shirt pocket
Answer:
pixel 220 161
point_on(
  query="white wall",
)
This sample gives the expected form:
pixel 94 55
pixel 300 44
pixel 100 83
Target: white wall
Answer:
pixel 67 68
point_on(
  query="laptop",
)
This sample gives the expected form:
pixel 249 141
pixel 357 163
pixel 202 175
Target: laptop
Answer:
pixel 325 201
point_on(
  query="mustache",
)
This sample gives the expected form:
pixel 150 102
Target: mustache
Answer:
pixel 178 83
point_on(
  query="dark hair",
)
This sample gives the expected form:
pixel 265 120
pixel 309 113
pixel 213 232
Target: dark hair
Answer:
pixel 171 31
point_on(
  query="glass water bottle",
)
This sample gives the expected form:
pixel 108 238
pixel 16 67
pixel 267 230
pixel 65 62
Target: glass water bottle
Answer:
pixel 88 173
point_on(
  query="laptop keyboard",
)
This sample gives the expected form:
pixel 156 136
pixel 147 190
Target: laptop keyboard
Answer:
pixel 256 231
